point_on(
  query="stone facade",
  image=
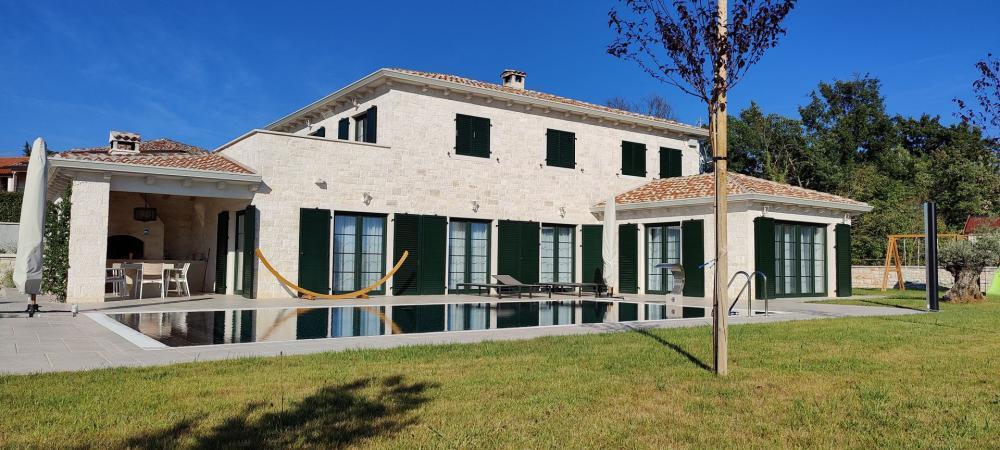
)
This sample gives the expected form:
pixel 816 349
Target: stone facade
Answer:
pixel 413 169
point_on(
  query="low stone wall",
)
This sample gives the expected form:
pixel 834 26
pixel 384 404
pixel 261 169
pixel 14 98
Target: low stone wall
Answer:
pixel 871 276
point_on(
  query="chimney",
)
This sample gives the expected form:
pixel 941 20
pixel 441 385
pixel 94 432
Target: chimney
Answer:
pixel 513 78
pixel 124 143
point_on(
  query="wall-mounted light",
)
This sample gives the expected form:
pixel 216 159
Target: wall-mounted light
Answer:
pixel 475 206
pixel 368 198
pixel 562 211
pixel 763 212
pixel 321 183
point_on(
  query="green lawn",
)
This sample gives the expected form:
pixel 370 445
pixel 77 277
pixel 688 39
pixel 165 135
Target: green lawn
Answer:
pixel 930 380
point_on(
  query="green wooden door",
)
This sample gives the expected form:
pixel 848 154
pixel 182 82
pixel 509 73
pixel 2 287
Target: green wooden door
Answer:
pixel 592 261
pixel 314 249
pixel 221 251
pixel 517 244
pixel 249 247
pixel 843 259
pixel 763 242
pixel 693 257
pixel 628 258
pixel 423 272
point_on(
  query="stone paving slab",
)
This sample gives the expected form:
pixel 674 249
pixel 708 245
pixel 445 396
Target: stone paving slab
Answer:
pixel 57 341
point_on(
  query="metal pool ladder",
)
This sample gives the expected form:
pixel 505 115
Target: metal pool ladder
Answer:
pixel 746 286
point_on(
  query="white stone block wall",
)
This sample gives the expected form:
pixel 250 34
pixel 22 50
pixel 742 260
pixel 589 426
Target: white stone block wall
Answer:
pixel 871 276
pixel 88 238
pixel 413 169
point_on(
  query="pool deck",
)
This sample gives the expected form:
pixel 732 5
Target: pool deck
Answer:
pixel 54 340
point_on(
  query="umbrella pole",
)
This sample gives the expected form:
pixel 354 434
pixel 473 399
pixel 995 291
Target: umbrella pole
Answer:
pixel 33 306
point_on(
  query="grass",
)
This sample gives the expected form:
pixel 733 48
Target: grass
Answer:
pixel 928 380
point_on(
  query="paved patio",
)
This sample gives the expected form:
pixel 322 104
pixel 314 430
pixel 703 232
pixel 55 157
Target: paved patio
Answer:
pixel 54 340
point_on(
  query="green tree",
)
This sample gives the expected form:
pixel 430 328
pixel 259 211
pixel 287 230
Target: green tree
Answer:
pixel 965 260
pixel 768 146
pixel 845 124
pixel 55 256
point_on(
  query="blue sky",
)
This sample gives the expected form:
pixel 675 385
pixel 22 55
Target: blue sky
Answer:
pixel 205 72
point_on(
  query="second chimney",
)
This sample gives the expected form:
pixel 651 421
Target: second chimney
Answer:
pixel 513 78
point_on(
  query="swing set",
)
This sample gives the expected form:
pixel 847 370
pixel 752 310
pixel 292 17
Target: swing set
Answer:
pixel 893 260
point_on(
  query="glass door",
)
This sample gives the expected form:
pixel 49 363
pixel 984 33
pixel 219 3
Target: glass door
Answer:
pixel 239 247
pixel 663 245
pixel 468 253
pixel 358 252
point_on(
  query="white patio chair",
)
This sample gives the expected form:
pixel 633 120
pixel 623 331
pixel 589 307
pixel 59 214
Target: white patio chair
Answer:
pixel 178 276
pixel 151 273
pixel 115 276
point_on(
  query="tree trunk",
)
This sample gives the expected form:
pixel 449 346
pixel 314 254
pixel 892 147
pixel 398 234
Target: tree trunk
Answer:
pixel 966 287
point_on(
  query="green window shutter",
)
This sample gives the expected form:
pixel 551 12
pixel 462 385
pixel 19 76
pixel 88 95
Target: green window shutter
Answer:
pixel 627 158
pixel 628 258
pixel 639 161
pixel 529 252
pixel 693 257
pixel 670 163
pixel 472 136
pixel 314 249
pixel 249 246
pixel 508 248
pixel 406 237
pixel 481 137
pixel 320 132
pixel 221 251
pixel 560 149
pixel 552 155
pixel 633 159
pixel 343 128
pixel 592 261
pixel 433 262
pixel 371 125
pixel 763 237
pixel 843 259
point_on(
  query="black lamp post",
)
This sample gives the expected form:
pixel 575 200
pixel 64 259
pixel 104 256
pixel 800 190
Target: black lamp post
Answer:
pixel 930 230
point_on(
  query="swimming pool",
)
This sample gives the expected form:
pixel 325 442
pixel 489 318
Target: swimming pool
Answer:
pixel 236 326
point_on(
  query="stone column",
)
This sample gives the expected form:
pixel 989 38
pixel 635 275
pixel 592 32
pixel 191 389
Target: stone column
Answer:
pixel 88 238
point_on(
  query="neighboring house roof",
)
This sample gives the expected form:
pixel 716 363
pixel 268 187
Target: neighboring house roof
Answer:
pixel 481 88
pixel 683 190
pixel 159 153
pixel 975 223
pixel 9 165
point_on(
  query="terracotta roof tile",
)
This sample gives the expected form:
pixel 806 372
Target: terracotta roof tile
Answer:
pixel 974 224
pixel 9 163
pixel 160 153
pixel 532 94
pixel 702 186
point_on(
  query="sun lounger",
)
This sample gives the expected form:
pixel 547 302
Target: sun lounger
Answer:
pixel 508 280
pixel 579 287
pixel 498 287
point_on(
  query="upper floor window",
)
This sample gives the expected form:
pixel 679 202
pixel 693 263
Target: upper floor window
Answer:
pixel 472 136
pixel 320 132
pixel 560 148
pixel 670 162
pixel 344 129
pixel 633 159
pixel 365 126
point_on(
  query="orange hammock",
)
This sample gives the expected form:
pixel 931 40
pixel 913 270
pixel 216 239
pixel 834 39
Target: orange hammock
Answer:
pixel 363 293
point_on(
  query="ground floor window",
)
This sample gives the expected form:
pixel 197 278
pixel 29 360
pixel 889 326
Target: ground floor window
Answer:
pixel 663 245
pixel 468 253
pixel 358 252
pixel 556 253
pixel 800 259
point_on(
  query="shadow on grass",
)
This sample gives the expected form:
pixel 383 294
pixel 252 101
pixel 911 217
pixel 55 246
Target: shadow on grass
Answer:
pixel 676 348
pixel 890 305
pixel 334 416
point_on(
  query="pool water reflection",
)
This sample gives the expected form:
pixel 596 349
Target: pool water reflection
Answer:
pixel 189 328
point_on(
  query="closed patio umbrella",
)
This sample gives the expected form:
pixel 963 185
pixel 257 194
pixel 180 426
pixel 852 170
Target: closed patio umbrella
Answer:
pixel 609 246
pixel 28 267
